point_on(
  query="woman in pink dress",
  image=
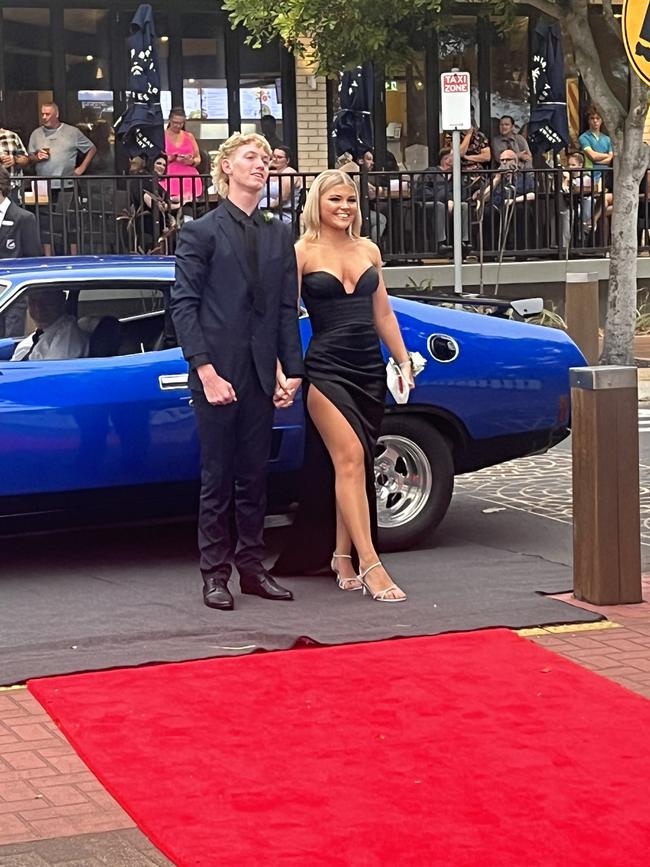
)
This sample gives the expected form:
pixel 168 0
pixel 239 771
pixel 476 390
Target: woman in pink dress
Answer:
pixel 183 183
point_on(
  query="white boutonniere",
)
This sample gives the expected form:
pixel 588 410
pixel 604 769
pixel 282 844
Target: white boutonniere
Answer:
pixel 267 216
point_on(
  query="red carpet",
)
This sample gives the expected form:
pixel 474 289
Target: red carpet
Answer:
pixel 477 749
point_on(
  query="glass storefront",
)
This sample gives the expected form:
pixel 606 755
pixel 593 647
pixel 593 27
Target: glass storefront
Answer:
pixel 28 69
pixel 88 82
pixel 205 91
pixel 260 89
pixel 406 114
pixel 509 92
pixel 77 56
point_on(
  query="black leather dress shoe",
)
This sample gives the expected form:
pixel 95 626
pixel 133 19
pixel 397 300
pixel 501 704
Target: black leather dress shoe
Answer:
pixel 264 585
pixel 216 593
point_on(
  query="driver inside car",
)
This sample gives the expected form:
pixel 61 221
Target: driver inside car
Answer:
pixel 57 333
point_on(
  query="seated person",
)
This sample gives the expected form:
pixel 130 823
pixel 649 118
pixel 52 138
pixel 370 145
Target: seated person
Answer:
pixel 510 185
pixel 507 196
pixel 377 220
pixel 577 186
pixel 508 139
pixel 435 186
pixel 57 334
pixel 152 202
pixel 283 192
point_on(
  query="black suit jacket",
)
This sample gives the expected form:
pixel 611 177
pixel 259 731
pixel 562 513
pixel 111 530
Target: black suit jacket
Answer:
pixel 212 308
pixel 19 234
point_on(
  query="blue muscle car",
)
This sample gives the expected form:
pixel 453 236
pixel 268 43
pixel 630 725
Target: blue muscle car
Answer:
pixel 113 434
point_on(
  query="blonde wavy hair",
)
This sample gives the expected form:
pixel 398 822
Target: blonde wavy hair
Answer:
pixel 311 212
pixel 227 149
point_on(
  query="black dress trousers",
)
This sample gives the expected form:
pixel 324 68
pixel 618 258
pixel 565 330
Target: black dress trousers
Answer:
pixel 235 449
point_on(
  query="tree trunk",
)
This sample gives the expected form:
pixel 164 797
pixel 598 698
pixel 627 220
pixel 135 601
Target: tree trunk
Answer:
pixel 630 163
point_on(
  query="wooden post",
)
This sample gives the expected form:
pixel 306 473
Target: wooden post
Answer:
pixel 606 511
pixel 582 313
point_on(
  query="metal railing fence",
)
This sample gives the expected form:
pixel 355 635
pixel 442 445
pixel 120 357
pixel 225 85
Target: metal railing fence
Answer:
pixel 541 213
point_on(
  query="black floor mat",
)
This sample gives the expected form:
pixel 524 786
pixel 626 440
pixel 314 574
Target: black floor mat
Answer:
pixel 107 598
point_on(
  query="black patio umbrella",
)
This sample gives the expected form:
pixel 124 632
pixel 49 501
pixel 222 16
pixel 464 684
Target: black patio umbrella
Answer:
pixel 548 128
pixel 140 128
pixel 352 125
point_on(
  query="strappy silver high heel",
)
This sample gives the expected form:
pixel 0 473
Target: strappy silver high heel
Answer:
pixel 380 596
pixel 344 583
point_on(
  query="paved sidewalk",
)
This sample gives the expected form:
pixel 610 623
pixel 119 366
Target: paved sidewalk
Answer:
pixel 54 813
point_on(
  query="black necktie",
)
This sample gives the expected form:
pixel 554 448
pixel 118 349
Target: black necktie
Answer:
pixel 35 338
pixel 250 236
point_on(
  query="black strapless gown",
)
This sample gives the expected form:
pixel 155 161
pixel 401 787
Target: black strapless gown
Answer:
pixel 344 362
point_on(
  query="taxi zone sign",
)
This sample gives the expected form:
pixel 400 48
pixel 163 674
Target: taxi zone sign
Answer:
pixel 455 100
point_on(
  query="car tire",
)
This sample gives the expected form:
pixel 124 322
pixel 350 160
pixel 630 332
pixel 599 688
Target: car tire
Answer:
pixel 411 448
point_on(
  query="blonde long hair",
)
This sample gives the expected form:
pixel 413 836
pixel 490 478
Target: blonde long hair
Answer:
pixel 227 149
pixel 311 212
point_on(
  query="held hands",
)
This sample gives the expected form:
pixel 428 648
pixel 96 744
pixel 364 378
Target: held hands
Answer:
pixel 218 391
pixel 285 388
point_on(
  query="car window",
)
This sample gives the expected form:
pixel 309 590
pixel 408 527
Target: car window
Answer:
pixel 122 301
pixel 139 310
pixel 114 318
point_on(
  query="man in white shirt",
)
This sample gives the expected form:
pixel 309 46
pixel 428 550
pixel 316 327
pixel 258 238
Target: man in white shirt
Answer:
pixel 57 333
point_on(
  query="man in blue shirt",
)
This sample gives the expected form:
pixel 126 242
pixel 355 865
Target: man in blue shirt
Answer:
pixel 596 146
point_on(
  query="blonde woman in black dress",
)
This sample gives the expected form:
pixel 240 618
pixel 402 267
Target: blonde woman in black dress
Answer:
pixel 344 292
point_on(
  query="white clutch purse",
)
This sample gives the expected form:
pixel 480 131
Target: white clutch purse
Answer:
pixel 395 380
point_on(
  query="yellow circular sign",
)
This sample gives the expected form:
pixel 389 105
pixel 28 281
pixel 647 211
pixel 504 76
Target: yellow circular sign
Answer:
pixel 636 36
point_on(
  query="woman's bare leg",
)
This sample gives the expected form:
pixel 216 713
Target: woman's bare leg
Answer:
pixel 347 456
pixel 344 546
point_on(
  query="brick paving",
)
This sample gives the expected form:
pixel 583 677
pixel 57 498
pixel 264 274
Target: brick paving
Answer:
pixel 48 795
pixel 620 651
pixel 55 813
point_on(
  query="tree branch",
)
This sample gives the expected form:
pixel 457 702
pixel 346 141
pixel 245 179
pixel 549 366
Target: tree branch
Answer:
pixel 576 22
pixel 613 25
pixel 548 7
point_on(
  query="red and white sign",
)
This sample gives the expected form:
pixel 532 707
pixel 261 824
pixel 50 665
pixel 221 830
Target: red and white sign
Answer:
pixel 455 100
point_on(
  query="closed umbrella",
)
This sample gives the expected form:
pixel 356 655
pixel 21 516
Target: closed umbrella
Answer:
pixel 548 128
pixel 352 126
pixel 140 129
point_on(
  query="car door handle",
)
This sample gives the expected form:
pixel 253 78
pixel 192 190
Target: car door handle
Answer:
pixel 172 381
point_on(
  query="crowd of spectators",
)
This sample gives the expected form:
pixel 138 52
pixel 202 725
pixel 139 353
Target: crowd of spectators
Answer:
pixel 497 173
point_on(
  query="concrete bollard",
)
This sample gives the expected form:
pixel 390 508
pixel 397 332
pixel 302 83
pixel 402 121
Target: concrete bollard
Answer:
pixel 582 313
pixel 606 511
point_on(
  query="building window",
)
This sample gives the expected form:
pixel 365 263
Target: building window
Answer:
pixel 260 89
pixel 28 67
pixel 509 61
pixel 88 87
pixel 406 116
pixel 205 95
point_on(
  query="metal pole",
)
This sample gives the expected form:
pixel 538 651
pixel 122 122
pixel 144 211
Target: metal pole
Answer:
pixel 606 510
pixel 457 214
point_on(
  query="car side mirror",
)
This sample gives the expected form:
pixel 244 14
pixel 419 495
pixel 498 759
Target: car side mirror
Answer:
pixel 527 307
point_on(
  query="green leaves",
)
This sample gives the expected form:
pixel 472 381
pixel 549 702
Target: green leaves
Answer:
pixel 338 34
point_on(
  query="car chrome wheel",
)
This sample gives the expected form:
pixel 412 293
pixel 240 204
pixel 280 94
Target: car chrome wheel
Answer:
pixel 403 480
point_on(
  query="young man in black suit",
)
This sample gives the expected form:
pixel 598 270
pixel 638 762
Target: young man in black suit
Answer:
pixel 234 307
pixel 18 230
